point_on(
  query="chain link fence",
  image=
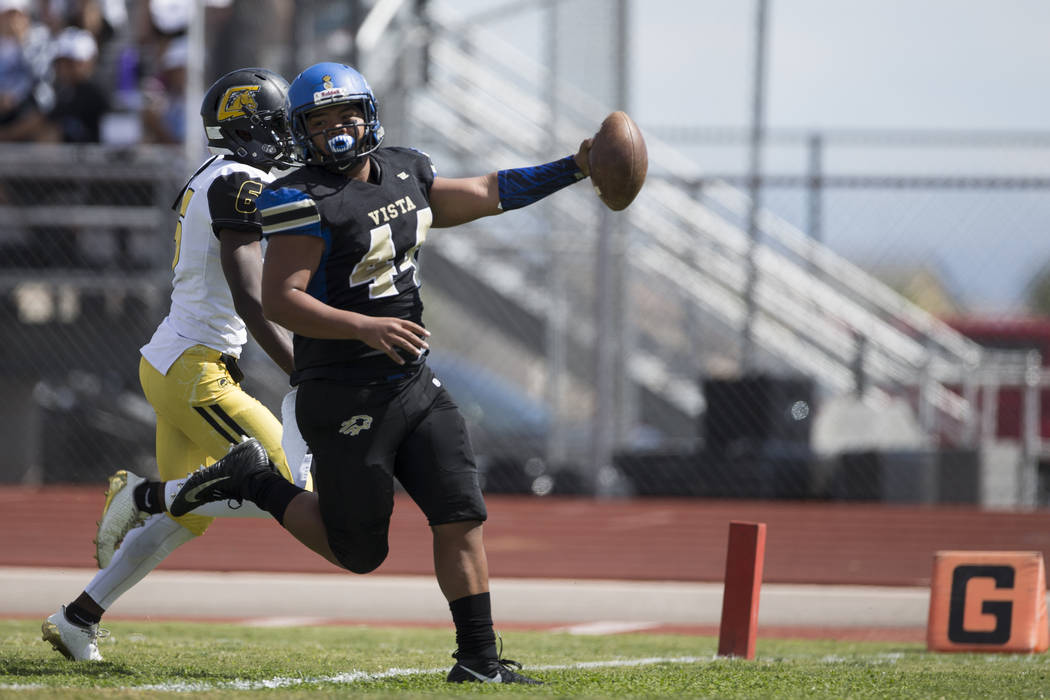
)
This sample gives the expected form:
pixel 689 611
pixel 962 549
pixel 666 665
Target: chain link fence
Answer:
pixel 84 253
pixel 584 361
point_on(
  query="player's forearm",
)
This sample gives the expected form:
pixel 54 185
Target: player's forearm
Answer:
pixel 304 315
pixel 273 339
pixel 275 342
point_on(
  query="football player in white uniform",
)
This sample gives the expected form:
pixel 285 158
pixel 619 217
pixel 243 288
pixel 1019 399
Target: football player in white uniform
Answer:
pixel 188 369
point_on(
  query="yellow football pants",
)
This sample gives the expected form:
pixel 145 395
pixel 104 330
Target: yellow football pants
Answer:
pixel 201 412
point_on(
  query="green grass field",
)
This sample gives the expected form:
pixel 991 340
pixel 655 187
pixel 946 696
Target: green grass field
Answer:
pixel 147 660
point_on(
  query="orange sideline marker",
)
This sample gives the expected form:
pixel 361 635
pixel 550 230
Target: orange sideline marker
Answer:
pixel 743 579
pixel 988 601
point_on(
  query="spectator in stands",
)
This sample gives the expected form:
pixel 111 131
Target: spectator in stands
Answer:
pixel 148 77
pixel 164 113
pixel 160 23
pixel 80 102
pixel 169 18
pixel 25 94
pixel 103 18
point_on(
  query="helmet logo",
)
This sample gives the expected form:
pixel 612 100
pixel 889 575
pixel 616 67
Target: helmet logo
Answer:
pixel 238 101
pixel 327 81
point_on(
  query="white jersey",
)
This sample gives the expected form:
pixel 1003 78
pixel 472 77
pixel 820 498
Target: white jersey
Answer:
pixel 220 195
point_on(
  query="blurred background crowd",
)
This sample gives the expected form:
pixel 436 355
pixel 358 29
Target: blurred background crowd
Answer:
pixel 93 71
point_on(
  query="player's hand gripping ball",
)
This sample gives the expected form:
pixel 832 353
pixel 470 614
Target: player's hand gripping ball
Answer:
pixel 618 161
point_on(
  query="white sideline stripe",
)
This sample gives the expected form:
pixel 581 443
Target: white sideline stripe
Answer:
pixel 365 677
pixel 285 622
pixel 606 627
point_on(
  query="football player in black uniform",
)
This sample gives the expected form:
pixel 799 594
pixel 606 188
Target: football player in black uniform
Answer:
pixel 344 233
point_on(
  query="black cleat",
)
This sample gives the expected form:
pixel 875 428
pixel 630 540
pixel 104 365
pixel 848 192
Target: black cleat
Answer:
pixel 223 480
pixel 487 671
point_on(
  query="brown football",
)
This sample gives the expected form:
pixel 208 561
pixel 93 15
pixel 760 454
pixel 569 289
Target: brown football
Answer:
pixel 618 161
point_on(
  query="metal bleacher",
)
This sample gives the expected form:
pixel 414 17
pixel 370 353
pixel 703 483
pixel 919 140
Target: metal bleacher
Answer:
pixel 815 313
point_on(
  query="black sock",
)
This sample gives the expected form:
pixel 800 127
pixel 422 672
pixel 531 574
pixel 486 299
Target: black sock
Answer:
pixel 79 616
pixel 472 616
pixel 149 497
pixel 271 492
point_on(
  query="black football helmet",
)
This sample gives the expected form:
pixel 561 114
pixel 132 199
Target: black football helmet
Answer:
pixel 243 113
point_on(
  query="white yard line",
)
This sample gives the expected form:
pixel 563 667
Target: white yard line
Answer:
pixel 351 677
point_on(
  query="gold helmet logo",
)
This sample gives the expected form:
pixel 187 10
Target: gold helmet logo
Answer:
pixel 238 101
pixel 327 81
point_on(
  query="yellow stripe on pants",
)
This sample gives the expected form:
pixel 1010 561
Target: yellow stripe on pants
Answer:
pixel 199 409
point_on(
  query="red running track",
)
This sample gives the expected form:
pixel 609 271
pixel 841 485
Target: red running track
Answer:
pixel 641 539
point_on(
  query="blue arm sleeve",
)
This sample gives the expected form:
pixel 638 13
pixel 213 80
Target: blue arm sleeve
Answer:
pixel 521 187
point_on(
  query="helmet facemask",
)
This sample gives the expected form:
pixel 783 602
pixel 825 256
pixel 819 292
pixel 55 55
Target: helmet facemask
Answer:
pixel 262 137
pixel 345 149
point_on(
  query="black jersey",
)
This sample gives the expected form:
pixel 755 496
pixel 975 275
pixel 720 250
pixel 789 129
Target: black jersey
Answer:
pixel 372 233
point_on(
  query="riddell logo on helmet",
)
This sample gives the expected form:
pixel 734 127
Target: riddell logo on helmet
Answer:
pixel 327 95
pixel 237 102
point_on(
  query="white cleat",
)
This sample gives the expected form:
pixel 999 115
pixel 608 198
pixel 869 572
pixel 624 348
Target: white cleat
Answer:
pixel 74 642
pixel 119 516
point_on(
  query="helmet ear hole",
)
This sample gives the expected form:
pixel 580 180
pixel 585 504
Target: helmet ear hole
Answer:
pixel 243 135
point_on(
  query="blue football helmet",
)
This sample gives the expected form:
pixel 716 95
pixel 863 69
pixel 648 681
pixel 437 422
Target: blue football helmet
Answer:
pixel 322 85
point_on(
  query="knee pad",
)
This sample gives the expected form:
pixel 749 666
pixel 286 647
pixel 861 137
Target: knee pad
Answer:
pixel 359 551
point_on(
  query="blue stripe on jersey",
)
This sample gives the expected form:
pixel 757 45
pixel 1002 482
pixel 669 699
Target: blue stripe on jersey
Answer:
pixel 286 210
